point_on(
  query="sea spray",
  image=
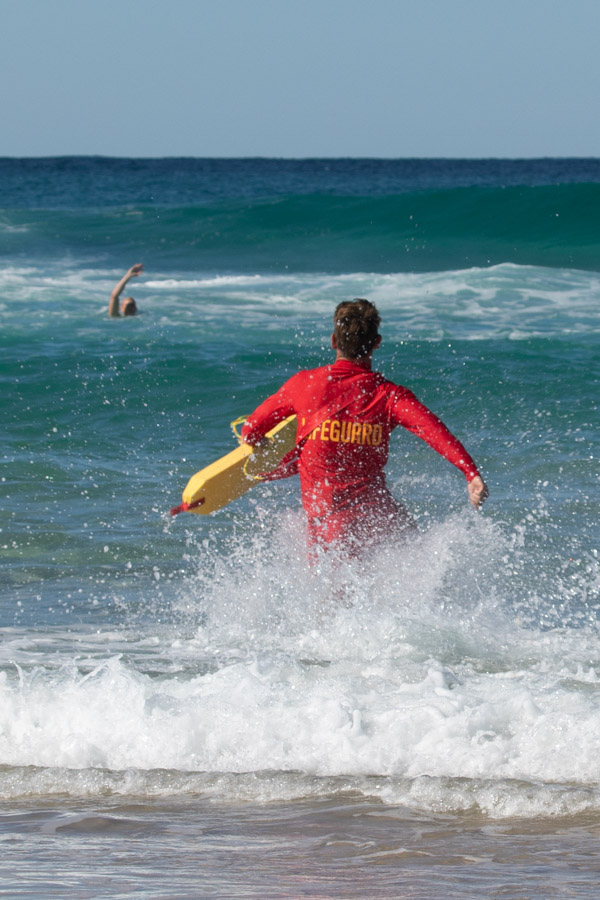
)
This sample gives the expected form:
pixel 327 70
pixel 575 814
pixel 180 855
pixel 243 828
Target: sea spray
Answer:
pixel 421 670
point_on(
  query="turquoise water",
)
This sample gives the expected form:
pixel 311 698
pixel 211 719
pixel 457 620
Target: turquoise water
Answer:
pixel 249 216
pixel 165 679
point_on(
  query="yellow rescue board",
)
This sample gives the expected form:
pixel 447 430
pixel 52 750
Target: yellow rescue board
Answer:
pixel 231 476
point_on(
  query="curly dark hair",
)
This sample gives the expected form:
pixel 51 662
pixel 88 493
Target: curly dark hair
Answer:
pixel 356 327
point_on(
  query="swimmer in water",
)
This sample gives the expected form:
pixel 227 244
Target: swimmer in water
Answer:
pixel 128 304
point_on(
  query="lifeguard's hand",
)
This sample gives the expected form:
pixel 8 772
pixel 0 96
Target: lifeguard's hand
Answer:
pixel 478 491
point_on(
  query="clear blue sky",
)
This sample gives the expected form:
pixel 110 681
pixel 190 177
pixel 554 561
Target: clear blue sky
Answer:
pixel 298 78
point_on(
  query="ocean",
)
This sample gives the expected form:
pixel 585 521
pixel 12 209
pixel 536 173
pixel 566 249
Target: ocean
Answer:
pixel 189 710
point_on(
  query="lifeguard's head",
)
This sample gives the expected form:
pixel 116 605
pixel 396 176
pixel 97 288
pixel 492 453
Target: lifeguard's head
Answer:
pixel 356 329
pixel 128 306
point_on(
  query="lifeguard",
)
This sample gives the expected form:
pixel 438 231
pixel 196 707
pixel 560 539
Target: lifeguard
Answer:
pixel 341 462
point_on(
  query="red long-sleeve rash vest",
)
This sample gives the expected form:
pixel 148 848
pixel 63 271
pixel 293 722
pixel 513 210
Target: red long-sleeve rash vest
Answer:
pixel 341 463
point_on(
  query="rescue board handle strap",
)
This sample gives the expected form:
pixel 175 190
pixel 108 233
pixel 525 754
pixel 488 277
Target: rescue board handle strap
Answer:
pixel 236 428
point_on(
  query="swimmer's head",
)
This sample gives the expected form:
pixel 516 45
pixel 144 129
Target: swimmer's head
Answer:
pixel 128 307
pixel 356 328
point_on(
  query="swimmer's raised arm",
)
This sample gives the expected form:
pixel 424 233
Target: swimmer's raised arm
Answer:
pixel 129 307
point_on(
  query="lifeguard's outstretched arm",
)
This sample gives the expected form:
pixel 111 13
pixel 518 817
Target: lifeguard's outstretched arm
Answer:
pixel 414 416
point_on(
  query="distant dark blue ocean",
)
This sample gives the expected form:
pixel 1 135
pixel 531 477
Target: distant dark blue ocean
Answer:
pixel 176 692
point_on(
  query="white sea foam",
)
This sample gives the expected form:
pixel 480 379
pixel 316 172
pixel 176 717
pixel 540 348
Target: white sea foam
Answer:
pixel 411 680
pixel 505 300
